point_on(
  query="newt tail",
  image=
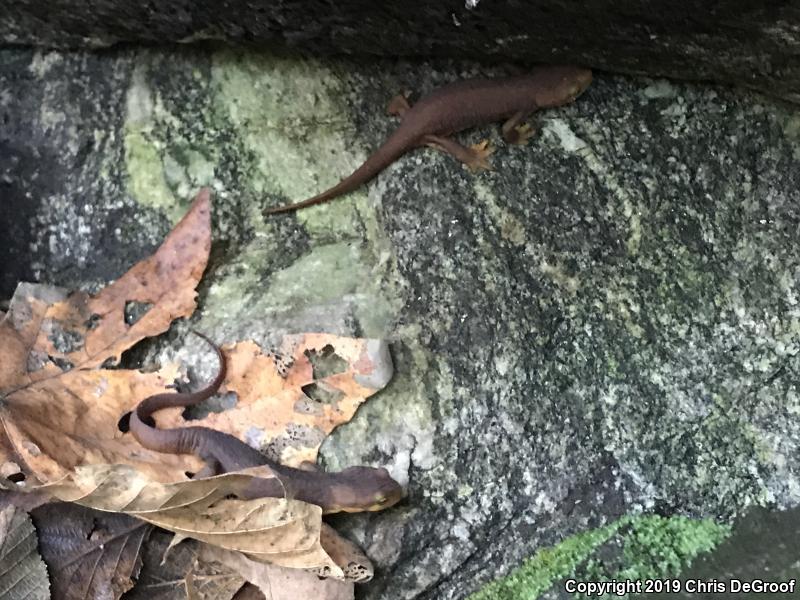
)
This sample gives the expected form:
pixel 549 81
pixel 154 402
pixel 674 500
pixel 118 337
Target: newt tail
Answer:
pixel 398 144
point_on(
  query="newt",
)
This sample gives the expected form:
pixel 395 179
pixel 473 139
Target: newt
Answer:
pixel 354 489
pixel 458 106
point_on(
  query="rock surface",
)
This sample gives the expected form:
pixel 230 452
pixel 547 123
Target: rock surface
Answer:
pixel 605 326
pixel 747 43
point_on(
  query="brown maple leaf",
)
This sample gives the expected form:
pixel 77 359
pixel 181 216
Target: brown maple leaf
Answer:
pixel 60 407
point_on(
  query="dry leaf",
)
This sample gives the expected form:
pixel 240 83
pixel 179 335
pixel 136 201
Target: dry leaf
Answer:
pixel 285 532
pixel 49 341
pixel 23 575
pixel 85 331
pixel 285 405
pixel 165 574
pixel 279 583
pixel 59 423
pixel 89 554
pixel 288 410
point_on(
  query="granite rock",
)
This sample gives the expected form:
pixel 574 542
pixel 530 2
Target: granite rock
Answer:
pixel 748 43
pixel 606 325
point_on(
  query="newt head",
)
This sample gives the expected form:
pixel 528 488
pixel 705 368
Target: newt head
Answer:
pixel 560 85
pixel 360 489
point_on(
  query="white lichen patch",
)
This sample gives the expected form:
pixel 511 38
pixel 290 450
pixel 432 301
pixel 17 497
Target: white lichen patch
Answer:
pixel 397 421
pixel 660 88
pixel 43 61
pixel 792 131
pixel 556 272
pixel 139 102
pixel 511 229
pixel 68 237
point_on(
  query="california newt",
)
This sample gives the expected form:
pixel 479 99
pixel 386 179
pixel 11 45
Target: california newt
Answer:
pixel 354 489
pixel 459 106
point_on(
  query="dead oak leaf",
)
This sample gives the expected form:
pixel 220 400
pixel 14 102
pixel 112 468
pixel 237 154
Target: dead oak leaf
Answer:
pixel 354 563
pixel 48 334
pixel 170 572
pixel 279 583
pixel 57 424
pixel 89 554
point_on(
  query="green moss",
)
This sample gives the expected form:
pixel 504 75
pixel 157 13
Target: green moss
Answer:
pixel 656 547
pixel 545 567
pixel 651 547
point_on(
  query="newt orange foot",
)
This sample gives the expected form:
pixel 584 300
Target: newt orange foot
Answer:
pixel 520 134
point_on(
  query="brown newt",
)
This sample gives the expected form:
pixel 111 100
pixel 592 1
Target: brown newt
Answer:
pixel 459 106
pixel 354 489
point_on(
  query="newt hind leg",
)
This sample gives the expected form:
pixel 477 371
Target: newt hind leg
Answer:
pixel 476 157
pixel 398 106
pixel 515 131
